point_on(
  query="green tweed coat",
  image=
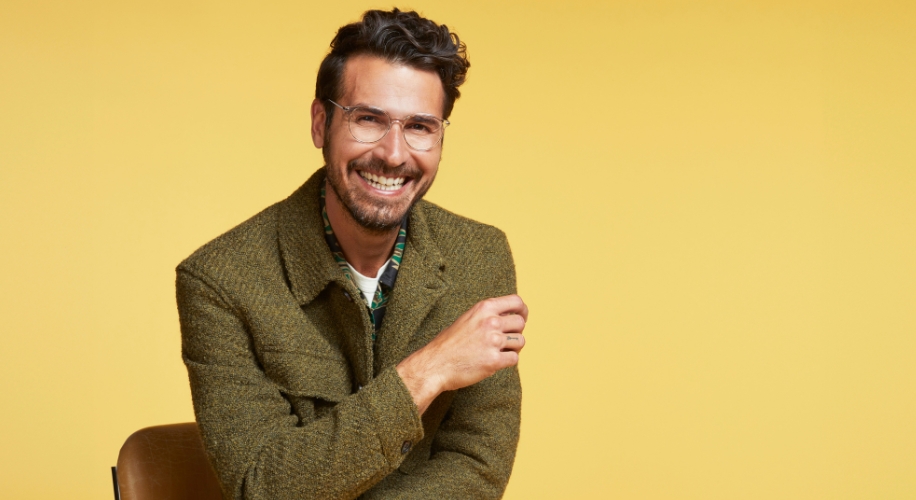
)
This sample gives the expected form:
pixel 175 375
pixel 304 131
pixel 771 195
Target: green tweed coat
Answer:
pixel 293 398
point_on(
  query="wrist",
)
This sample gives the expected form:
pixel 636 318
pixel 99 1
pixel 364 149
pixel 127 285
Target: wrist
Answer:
pixel 423 385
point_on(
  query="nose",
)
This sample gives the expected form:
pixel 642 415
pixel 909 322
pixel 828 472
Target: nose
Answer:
pixel 393 148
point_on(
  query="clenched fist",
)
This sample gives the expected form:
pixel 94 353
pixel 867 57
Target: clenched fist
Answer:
pixel 485 339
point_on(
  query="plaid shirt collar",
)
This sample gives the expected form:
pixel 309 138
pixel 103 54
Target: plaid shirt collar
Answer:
pixel 385 283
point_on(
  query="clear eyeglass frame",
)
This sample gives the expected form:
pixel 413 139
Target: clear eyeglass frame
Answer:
pixel 360 132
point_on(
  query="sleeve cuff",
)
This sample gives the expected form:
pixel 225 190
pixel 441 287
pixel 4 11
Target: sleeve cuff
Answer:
pixel 397 420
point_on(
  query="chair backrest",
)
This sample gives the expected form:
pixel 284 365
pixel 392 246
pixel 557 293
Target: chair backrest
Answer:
pixel 166 462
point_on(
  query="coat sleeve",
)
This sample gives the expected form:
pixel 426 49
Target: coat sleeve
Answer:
pixel 258 447
pixel 473 451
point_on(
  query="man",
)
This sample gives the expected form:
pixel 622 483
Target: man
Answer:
pixel 353 340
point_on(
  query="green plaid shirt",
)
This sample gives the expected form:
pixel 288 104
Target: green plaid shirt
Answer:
pixel 385 282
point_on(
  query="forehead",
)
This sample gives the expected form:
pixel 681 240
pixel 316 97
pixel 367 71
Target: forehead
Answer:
pixel 397 88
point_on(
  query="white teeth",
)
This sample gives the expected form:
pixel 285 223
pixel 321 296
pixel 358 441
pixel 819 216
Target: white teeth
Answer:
pixel 383 183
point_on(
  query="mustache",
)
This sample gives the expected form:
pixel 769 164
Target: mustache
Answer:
pixel 379 167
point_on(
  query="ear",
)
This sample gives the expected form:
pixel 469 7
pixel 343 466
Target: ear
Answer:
pixel 318 118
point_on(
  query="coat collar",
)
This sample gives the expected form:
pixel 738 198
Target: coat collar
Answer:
pixel 307 259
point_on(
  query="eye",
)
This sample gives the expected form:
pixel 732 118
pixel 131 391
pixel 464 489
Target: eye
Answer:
pixel 418 127
pixel 366 116
pixel 422 125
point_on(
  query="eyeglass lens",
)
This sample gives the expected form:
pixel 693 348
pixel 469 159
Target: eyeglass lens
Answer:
pixel 422 132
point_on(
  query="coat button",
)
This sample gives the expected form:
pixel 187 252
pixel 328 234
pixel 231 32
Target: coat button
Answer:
pixel 347 295
pixel 405 447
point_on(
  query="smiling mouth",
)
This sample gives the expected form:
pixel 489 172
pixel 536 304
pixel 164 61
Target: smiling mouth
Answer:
pixel 383 183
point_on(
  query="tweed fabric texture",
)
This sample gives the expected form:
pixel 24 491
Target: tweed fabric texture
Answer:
pixel 294 399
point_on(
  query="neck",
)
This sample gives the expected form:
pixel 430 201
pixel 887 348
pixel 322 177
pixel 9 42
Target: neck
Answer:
pixel 365 250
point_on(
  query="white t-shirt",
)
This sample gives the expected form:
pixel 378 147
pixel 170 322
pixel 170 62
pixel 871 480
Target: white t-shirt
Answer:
pixel 366 284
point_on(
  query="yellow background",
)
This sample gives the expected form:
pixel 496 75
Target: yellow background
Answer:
pixel 712 207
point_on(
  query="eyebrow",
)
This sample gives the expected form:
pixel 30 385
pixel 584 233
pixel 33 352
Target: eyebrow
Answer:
pixel 424 117
pixel 369 108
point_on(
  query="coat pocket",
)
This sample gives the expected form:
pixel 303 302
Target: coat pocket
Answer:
pixel 303 374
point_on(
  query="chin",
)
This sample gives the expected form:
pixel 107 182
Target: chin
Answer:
pixel 377 219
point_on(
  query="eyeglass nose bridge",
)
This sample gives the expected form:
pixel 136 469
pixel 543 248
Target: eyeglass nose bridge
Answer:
pixel 391 122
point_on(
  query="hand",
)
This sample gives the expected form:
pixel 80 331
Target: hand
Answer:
pixel 485 339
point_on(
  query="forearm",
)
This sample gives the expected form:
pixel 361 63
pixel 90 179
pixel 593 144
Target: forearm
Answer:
pixel 472 451
pixel 331 445
pixel 338 455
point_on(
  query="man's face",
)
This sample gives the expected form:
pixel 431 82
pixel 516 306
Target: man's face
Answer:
pixel 377 183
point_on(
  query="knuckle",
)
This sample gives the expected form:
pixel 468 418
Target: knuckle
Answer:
pixel 476 308
pixel 484 307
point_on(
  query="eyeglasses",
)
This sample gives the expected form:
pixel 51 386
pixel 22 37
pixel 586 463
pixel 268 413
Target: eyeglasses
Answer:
pixel 367 125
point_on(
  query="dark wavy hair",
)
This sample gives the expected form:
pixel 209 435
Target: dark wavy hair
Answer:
pixel 398 37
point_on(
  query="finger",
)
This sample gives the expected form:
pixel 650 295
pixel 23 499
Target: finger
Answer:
pixel 508 304
pixel 508 358
pixel 512 323
pixel 513 342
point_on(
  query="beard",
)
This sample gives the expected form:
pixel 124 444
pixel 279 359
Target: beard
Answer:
pixel 372 213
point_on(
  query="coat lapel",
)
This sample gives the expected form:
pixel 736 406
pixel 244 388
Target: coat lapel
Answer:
pixel 420 284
